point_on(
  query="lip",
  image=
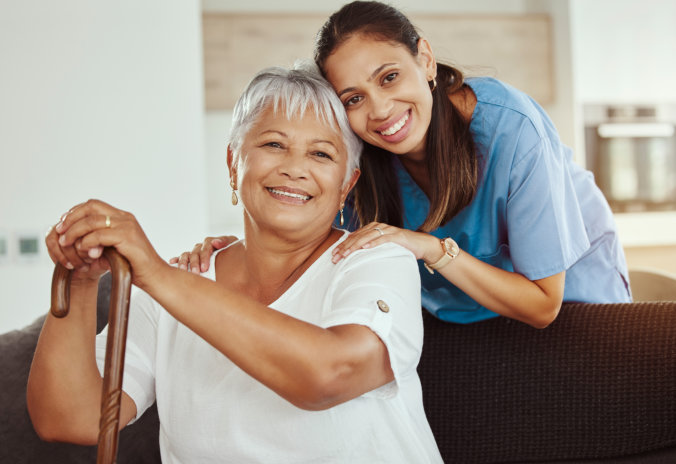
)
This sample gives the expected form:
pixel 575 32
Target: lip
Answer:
pixel 401 133
pixel 289 195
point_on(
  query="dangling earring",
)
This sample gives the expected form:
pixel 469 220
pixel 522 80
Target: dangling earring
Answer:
pixel 432 84
pixel 342 218
pixel 233 198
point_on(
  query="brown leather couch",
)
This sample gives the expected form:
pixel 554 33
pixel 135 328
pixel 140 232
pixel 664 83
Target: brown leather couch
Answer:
pixel 598 385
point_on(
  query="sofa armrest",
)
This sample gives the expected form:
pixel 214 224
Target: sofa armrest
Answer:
pixel 598 382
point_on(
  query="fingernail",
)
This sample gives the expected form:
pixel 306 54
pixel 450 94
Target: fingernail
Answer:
pixel 203 267
pixel 59 226
pixel 194 270
pixel 84 268
pixel 70 266
pixel 62 240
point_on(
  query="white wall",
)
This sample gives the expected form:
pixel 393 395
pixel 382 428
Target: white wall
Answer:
pixel 103 100
pixel 624 50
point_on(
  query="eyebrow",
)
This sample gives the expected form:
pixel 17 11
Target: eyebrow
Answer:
pixel 371 77
pixel 274 131
pixel 325 141
pixel 284 134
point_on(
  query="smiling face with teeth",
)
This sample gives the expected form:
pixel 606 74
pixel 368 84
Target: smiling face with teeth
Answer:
pixel 290 172
pixel 385 91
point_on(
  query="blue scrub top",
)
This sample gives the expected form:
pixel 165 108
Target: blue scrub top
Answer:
pixel 536 212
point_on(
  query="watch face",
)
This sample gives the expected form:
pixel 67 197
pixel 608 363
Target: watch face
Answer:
pixel 451 247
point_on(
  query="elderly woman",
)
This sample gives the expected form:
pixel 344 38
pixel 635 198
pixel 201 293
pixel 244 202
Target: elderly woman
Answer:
pixel 275 354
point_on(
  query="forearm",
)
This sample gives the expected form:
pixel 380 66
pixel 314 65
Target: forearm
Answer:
pixel 507 293
pixel 64 385
pixel 309 366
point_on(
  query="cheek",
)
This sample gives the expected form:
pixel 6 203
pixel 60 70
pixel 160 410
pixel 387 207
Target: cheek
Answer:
pixel 357 120
pixel 331 182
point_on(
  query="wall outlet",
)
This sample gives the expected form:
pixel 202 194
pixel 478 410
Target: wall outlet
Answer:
pixel 27 246
pixel 4 247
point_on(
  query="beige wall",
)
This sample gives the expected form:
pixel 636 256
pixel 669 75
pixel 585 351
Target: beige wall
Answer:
pixel 658 257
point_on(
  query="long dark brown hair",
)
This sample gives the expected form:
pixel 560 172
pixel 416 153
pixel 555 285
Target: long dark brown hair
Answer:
pixel 451 158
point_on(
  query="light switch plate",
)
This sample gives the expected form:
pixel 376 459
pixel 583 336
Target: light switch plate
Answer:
pixel 27 246
pixel 4 247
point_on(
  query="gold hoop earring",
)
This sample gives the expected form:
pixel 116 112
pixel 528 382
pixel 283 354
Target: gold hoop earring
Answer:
pixel 432 84
pixel 233 197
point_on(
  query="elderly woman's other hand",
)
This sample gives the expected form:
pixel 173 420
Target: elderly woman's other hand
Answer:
pixel 198 259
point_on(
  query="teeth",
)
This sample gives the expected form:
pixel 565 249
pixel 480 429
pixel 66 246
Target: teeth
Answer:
pixel 289 194
pixel 395 128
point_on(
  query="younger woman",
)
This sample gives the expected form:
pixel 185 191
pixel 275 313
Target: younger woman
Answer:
pixel 469 174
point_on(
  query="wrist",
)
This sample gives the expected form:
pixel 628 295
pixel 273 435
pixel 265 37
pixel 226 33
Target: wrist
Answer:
pixel 434 251
pixel 154 277
pixel 450 251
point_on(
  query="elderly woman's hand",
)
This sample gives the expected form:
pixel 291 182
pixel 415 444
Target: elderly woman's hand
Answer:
pixel 199 258
pixel 85 268
pixel 423 246
pixel 77 241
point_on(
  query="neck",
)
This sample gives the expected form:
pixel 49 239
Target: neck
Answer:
pixel 270 263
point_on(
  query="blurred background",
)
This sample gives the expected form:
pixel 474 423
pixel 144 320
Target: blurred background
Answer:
pixel 129 102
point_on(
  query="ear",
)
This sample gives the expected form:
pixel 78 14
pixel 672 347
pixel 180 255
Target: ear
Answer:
pixel 349 185
pixel 426 58
pixel 232 165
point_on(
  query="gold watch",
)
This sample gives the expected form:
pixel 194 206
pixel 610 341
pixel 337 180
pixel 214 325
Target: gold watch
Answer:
pixel 451 251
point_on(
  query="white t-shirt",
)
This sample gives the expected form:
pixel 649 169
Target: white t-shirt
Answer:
pixel 212 412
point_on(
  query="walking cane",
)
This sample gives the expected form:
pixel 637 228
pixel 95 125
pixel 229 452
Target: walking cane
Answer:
pixel 118 315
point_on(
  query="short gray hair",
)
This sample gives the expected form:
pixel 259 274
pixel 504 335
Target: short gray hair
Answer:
pixel 296 89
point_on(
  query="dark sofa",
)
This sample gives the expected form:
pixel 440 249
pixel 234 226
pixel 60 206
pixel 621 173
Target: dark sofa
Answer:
pixel 598 385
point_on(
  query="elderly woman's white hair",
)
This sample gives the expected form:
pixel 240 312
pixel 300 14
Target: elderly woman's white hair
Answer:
pixel 296 90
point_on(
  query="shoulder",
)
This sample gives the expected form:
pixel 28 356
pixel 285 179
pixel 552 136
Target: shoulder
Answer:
pixel 508 116
pixel 387 265
pixel 499 101
pixel 491 91
pixel 387 252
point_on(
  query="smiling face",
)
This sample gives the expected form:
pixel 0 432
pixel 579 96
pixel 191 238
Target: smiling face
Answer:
pixel 385 91
pixel 290 172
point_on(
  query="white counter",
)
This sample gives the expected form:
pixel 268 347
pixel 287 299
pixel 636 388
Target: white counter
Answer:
pixel 647 229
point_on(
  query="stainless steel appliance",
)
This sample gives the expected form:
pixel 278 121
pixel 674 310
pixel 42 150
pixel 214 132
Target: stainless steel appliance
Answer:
pixel 631 149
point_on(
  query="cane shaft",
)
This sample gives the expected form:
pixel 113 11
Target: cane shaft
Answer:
pixel 118 315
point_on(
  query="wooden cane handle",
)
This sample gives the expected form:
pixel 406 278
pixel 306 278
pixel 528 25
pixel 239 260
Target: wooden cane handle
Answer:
pixel 118 316
pixel 60 291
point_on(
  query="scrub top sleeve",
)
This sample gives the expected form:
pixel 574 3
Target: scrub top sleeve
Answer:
pixel 139 365
pixel 545 225
pixel 380 289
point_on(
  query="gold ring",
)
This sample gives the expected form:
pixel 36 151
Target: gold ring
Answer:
pixel 107 221
pixel 379 230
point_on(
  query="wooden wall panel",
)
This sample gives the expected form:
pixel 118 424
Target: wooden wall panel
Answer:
pixel 513 48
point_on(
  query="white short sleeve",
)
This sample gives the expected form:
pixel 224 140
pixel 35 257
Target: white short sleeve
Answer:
pixel 380 289
pixel 139 362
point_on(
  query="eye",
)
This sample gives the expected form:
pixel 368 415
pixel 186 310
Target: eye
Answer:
pixel 273 145
pixel 353 100
pixel 323 154
pixel 390 77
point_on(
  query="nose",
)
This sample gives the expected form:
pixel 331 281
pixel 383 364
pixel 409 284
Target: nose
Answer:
pixel 380 107
pixel 294 165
